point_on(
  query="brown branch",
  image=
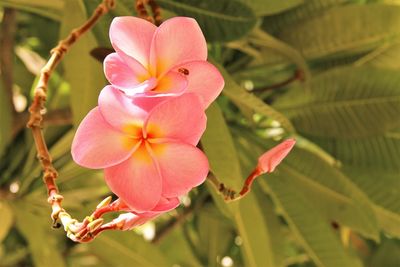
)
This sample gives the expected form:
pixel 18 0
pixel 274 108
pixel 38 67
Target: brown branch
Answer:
pixel 230 194
pixel 141 10
pixel 298 75
pixel 8 31
pixel 36 118
pixel 55 117
pixel 156 11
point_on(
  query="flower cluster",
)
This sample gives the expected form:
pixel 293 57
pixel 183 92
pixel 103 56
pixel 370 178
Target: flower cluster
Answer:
pixel 148 121
pixel 145 129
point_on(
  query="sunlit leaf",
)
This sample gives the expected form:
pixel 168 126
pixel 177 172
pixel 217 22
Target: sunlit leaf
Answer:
pixel 83 72
pixel 308 9
pixel 222 20
pixel 239 96
pixel 269 7
pixel 6 215
pixel 51 9
pixel 345 102
pixel 127 249
pixel 35 226
pixel 310 229
pixel 219 147
pixel 313 40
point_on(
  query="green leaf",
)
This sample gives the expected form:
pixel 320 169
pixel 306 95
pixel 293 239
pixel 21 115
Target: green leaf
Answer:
pixel 264 75
pixel 338 197
pixel 380 152
pixel 310 229
pixel 387 255
pixel 309 9
pixel 219 147
pixel 268 42
pixel 383 188
pixel 240 97
pixel 385 56
pixel 255 233
pixel 184 255
pixel 313 39
pixel 35 226
pixel 6 215
pixel 33 169
pixel 309 170
pixel 269 7
pixel 345 103
pixel 216 234
pixel 222 20
pixel 83 72
pixel 5 119
pixel 50 9
pixel 101 29
pixel 127 249
pixel 274 227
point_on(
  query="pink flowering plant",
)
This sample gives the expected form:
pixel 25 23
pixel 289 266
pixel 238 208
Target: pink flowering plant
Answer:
pixel 148 122
pixel 199 133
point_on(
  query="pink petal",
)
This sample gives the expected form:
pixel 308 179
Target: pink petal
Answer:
pixel 136 181
pixel 132 36
pixel 173 83
pixel 182 167
pixel 97 145
pixel 121 111
pixel 179 118
pixel 176 41
pixel 270 159
pixel 131 220
pixel 141 89
pixel 204 79
pixel 166 204
pixel 122 75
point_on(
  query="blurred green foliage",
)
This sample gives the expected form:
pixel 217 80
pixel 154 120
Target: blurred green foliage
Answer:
pixel 326 72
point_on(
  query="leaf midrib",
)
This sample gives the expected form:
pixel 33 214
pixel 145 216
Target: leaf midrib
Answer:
pixel 340 103
pixel 209 13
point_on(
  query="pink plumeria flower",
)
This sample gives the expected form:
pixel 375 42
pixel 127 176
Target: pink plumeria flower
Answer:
pixel 147 153
pixel 168 60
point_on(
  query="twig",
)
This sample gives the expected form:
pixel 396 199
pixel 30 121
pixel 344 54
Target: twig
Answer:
pixel 92 224
pixel 155 10
pixel 298 75
pixel 53 118
pixel 8 30
pixel 230 194
pixel 140 8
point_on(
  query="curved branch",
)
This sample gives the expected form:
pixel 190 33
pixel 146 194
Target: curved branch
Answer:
pixel 89 227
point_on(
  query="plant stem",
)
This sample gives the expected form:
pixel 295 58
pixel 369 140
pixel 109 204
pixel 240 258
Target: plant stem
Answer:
pixel 141 10
pixel 36 118
pixel 230 194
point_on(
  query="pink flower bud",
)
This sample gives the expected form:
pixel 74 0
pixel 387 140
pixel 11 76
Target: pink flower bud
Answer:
pixel 271 159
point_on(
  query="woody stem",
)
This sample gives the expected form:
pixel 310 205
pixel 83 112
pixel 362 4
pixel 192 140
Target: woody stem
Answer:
pixel 230 194
pixel 40 94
